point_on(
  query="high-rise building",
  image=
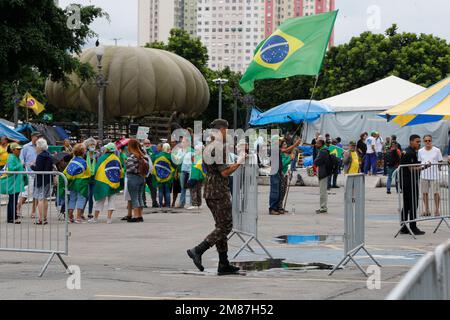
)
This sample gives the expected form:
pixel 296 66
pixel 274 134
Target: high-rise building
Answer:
pixel 231 30
pixel 156 19
pixel 277 11
pixel 189 16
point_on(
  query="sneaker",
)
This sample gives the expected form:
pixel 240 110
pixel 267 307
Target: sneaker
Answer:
pixel 335 187
pixel 109 221
pixel 92 220
pixel 126 218
pixel 191 208
pixel 283 211
pixel 223 270
pixel 389 192
pixel 404 230
pixel 90 216
pixel 196 258
pixel 321 211
pixel 79 221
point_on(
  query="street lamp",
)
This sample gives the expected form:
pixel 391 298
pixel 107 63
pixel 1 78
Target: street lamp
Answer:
pixel 220 82
pixel 102 83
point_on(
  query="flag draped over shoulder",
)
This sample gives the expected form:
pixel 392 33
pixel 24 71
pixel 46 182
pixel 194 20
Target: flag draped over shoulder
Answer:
pixel 108 175
pixel 30 102
pixel 163 170
pixel 198 171
pixel 297 47
pixel 338 152
pixel 78 174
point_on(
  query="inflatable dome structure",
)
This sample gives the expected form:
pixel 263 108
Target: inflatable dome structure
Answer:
pixel 141 82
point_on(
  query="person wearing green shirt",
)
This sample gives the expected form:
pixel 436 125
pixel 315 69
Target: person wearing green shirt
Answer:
pixel 151 150
pixel 13 185
pixel 92 156
pixel 286 160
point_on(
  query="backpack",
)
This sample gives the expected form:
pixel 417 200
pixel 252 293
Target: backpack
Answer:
pixel 333 164
pixel 143 167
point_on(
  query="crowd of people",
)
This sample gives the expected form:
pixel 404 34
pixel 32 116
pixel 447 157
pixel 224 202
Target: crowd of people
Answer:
pixel 97 173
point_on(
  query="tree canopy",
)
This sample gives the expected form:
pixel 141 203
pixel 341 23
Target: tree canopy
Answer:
pixel 36 43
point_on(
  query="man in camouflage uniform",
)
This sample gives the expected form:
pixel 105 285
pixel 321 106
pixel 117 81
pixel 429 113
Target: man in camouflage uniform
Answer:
pixel 218 200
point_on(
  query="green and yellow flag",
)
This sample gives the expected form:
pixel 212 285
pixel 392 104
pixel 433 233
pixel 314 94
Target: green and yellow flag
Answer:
pixel 297 47
pixel 108 175
pixel 198 171
pixel 30 102
pixel 338 152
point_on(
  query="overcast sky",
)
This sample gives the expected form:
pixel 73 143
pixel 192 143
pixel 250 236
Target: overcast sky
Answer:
pixel 355 17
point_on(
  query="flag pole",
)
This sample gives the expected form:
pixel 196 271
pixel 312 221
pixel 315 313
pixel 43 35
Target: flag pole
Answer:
pixel 301 137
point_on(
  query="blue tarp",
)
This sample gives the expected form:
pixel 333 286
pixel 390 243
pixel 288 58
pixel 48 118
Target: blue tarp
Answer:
pixel 61 133
pixel 308 161
pixel 11 134
pixel 294 111
pixel 306 150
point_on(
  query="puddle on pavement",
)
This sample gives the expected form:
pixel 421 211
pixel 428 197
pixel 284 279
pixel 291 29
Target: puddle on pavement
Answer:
pixel 280 264
pixel 308 239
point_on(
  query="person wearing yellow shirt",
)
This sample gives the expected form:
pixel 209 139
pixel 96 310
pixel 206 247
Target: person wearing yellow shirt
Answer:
pixel 351 159
pixel 4 142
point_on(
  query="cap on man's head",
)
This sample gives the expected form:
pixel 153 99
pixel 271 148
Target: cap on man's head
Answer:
pixel 219 124
pixel 15 146
pixel 110 147
pixel 36 134
pixel 352 143
pixel 373 133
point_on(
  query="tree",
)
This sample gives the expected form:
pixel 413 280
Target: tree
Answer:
pixel 36 43
pixel 182 44
pixel 422 59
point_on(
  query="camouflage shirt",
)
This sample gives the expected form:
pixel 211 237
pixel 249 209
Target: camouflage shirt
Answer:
pixel 216 186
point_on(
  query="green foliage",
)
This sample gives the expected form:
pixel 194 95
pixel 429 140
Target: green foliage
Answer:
pixel 182 44
pixel 36 43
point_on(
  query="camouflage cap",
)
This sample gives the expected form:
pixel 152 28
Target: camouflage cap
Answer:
pixel 219 123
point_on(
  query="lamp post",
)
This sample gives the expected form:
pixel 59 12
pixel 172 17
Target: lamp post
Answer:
pixel 102 83
pixel 220 82
pixel 16 103
pixel 237 96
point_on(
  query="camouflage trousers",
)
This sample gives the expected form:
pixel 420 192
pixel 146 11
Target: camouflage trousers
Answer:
pixel 221 210
pixel 283 189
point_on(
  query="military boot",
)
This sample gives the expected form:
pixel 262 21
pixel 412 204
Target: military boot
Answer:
pixel 196 254
pixel 224 265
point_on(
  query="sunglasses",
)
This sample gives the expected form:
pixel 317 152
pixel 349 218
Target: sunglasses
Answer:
pixel 426 140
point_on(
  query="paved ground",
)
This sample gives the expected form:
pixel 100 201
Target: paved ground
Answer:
pixel 148 260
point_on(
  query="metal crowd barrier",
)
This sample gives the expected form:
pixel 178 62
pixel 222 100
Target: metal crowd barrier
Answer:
pixel 27 232
pixel 354 206
pixel 245 207
pixel 429 279
pixel 423 194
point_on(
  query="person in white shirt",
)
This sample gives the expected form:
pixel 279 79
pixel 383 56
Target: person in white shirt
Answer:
pixel 370 160
pixel 379 144
pixel 429 181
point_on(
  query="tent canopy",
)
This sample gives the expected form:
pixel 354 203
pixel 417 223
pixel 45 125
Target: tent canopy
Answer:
pixel 430 105
pixel 293 111
pixel 357 111
pixel 378 96
pixel 11 134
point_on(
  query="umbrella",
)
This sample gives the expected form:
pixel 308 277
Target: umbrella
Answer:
pixel 11 134
pixel 295 111
pixel 430 105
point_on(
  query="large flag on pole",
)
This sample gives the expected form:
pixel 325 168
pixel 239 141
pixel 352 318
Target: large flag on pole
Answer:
pixel 30 102
pixel 297 47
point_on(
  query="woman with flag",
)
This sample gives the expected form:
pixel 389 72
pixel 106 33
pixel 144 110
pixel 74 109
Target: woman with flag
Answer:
pixel 13 185
pixel 108 174
pixel 198 174
pixel 92 156
pixel 78 175
pixel 163 173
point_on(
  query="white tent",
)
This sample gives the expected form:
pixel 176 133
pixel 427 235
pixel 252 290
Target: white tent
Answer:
pixel 357 111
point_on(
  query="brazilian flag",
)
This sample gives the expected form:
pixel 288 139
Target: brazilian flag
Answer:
pixel 163 170
pixel 78 174
pixel 297 47
pixel 108 174
pixel 198 171
pixel 338 152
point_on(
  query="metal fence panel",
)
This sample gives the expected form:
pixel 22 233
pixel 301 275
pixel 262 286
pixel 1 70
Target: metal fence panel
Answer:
pixel 29 225
pixel 245 200
pixel 354 212
pixel 423 194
